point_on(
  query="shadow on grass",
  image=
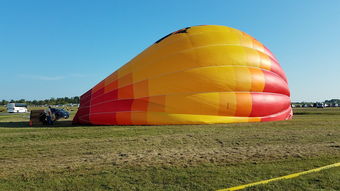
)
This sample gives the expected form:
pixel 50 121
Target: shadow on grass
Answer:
pixel 23 124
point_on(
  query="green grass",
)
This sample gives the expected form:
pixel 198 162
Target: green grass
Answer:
pixel 2 108
pixel 183 157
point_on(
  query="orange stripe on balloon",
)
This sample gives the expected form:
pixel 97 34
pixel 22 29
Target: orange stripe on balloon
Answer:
pixel 139 118
pixel 140 104
pixel 156 104
pixel 244 104
pixel 112 86
pixel 123 118
pixel 125 92
pixel 125 80
pixel 141 89
pixel 257 80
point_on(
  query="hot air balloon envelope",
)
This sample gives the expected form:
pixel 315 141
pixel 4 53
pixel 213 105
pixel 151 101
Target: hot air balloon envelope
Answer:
pixel 196 75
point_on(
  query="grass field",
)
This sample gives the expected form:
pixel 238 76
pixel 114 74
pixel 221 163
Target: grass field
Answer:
pixel 183 157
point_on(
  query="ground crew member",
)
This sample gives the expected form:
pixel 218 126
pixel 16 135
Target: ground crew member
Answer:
pixel 49 115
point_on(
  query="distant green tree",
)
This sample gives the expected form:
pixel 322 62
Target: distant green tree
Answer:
pixel 76 99
pixel 34 102
pixel 21 101
pixel 4 102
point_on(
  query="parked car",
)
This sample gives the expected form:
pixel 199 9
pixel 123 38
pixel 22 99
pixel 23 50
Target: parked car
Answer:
pixel 60 113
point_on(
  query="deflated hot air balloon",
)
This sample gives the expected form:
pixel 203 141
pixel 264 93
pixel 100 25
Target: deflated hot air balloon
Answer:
pixel 197 75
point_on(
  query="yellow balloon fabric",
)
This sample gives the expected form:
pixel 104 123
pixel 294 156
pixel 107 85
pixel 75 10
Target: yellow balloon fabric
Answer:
pixel 197 75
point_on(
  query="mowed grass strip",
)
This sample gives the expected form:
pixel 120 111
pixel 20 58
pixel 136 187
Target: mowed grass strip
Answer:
pixel 184 157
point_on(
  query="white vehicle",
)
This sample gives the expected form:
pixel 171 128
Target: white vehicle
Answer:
pixel 17 108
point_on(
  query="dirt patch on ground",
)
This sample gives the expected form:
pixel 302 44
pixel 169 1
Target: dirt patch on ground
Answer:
pixel 184 157
pixel 173 157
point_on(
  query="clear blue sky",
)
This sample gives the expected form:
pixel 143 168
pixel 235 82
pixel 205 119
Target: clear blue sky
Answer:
pixel 62 47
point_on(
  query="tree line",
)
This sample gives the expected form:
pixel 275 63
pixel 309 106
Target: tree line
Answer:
pixel 51 101
pixel 331 101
